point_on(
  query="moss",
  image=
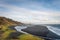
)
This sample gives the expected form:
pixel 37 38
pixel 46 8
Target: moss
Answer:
pixel 5 31
pixel 29 37
pixel 6 34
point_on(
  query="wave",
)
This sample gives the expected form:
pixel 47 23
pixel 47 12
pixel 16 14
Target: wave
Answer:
pixel 54 30
pixel 19 29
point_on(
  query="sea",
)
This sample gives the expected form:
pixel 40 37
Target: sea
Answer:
pixel 54 31
pixel 53 28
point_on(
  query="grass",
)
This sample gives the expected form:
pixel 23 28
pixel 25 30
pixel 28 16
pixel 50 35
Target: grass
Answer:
pixel 29 37
pixel 5 31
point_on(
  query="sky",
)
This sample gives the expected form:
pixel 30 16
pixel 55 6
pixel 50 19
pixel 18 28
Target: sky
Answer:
pixel 31 11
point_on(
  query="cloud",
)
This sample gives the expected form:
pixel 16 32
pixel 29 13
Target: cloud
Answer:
pixel 30 12
pixel 35 4
pixel 30 16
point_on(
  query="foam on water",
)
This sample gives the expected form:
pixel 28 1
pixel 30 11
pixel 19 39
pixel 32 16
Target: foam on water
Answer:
pixel 54 30
pixel 19 28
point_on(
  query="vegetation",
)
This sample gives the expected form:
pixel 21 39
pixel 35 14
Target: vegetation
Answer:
pixel 29 37
pixel 5 31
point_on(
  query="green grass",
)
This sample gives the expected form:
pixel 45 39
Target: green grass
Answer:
pixel 29 37
pixel 7 32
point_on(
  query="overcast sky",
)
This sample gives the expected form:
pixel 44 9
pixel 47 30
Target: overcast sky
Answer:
pixel 31 11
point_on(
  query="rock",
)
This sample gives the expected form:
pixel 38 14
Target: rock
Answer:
pixel 37 30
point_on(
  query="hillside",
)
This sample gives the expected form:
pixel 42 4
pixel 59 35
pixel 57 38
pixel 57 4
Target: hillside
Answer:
pixel 4 24
pixel 8 34
pixel 8 21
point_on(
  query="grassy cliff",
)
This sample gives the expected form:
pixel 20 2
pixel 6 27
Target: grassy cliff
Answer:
pixel 7 34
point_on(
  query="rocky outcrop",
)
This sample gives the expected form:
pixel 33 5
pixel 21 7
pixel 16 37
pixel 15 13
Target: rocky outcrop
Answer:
pixel 37 30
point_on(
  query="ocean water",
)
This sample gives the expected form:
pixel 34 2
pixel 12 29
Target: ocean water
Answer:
pixel 55 31
pixel 19 29
pixel 53 28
